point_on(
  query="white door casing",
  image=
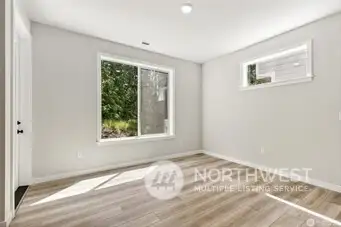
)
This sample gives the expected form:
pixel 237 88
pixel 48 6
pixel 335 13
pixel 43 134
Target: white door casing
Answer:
pixel 16 109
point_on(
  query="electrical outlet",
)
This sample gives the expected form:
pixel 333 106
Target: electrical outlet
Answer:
pixel 80 154
pixel 262 150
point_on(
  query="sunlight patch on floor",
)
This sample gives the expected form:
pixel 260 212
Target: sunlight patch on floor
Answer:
pixel 318 215
pixel 97 183
pixel 126 177
pixel 77 189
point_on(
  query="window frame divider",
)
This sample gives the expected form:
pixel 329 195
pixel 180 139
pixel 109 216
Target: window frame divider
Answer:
pixel 139 98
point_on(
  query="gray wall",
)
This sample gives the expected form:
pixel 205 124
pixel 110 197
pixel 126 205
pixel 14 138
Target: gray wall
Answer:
pixel 2 109
pixel 297 125
pixel 64 104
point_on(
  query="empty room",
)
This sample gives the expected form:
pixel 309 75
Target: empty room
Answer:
pixel 164 113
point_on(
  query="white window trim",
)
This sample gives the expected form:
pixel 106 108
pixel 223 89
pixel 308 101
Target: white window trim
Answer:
pixel 135 139
pixel 171 101
pixel 243 68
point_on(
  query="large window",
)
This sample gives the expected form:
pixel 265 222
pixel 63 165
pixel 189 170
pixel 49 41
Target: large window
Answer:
pixel 136 100
pixel 288 66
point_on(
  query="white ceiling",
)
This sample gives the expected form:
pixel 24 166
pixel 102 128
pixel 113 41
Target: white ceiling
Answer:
pixel 215 27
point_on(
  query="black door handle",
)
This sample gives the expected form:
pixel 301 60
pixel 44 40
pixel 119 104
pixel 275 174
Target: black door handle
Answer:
pixel 20 131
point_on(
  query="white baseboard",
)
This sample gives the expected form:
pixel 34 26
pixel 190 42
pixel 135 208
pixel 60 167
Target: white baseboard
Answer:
pixel 311 181
pixel 110 167
pixel 8 221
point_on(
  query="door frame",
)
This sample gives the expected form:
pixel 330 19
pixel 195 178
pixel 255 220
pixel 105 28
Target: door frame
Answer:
pixel 16 107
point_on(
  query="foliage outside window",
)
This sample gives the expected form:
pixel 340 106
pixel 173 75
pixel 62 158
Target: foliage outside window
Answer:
pixel 252 76
pixel 119 100
pixel 135 100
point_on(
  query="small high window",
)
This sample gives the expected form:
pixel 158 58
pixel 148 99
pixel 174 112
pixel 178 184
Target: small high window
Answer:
pixel 289 66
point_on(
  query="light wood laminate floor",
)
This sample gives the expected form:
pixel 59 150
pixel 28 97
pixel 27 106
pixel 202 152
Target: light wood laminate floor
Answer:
pixel 118 198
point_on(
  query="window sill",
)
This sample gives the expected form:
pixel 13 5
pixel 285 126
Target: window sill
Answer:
pixel 280 83
pixel 129 140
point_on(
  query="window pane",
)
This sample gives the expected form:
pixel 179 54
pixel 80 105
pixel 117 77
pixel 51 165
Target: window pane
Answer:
pixel 154 102
pixel 119 100
pixel 253 78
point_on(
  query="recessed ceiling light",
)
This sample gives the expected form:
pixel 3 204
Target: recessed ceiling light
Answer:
pixel 186 8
